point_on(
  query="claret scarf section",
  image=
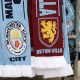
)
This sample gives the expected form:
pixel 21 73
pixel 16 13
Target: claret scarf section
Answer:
pixel 47 36
pixel 15 38
pixel 47 23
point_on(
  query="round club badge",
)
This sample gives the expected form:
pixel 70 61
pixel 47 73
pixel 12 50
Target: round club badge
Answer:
pixel 16 38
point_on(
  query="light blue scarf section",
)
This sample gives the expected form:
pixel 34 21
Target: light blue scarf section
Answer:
pixel 66 46
pixel 1 55
pixel 15 37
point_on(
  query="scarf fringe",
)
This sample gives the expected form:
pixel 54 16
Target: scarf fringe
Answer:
pixel 63 72
pixel 17 71
pixel 53 73
pixel 49 62
pixel 33 62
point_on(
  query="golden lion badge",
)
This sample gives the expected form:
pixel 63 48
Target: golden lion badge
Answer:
pixel 48 31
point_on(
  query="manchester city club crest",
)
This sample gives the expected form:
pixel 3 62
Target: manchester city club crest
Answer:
pixel 48 31
pixel 16 38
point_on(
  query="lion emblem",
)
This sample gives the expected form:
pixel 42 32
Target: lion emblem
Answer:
pixel 49 30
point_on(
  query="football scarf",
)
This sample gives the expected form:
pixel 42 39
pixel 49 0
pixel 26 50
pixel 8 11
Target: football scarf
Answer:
pixel 15 38
pixel 47 34
pixel 57 71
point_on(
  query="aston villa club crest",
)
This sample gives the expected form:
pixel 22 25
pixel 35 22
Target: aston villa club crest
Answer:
pixel 16 38
pixel 48 31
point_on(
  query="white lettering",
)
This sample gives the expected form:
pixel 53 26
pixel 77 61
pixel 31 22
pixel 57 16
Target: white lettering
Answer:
pixel 44 11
